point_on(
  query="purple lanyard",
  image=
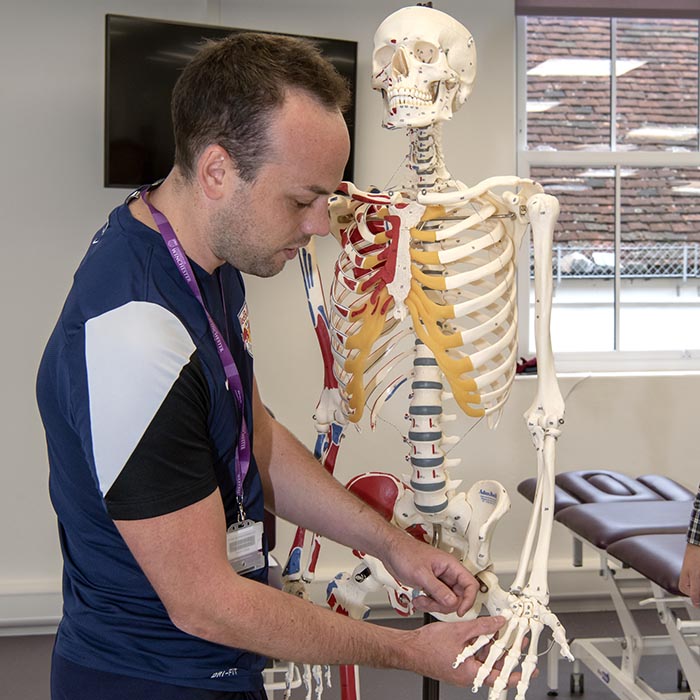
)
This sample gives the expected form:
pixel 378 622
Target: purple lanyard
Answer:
pixel 229 364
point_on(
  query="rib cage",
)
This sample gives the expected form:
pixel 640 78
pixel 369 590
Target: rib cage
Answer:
pixel 460 298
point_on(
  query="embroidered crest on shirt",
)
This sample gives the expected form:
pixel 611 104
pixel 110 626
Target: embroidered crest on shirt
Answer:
pixel 244 322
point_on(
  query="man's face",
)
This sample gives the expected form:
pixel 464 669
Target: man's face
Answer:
pixel 263 223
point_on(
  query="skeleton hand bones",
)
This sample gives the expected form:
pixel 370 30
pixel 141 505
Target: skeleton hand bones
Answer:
pixel 524 616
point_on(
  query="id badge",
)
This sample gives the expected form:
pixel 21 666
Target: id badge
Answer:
pixel 244 546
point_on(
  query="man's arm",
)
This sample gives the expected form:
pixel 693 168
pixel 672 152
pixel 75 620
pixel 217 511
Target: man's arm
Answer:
pixel 299 490
pixel 183 554
pixel 689 580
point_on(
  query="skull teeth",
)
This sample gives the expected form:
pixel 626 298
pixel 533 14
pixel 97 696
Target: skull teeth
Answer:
pixel 409 96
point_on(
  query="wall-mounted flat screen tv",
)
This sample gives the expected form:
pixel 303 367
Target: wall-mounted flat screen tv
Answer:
pixel 144 58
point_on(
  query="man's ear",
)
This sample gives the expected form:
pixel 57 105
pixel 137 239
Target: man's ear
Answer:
pixel 216 172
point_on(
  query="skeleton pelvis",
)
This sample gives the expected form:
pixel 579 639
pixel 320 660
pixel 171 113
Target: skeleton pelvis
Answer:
pixel 383 492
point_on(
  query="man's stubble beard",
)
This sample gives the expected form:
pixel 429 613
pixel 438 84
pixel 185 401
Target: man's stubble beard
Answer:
pixel 230 241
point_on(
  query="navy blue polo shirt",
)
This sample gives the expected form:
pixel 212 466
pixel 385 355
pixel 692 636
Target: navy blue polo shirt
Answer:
pixel 139 422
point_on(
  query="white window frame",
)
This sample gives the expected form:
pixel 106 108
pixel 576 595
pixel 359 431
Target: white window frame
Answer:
pixel 681 360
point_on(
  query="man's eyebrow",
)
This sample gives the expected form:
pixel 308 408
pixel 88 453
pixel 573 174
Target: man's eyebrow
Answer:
pixel 317 189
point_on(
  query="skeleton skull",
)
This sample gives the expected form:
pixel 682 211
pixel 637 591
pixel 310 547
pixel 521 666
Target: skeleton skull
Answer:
pixel 424 63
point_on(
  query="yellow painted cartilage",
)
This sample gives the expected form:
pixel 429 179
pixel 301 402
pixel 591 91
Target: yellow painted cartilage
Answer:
pixel 355 251
pixel 371 325
pixel 429 281
pixel 432 310
pixel 425 257
pixel 423 236
pixel 434 211
pixel 464 389
pixel 437 335
pixel 369 238
pixel 368 262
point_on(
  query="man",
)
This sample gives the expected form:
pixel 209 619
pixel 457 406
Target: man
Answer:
pixel 147 393
pixel 689 579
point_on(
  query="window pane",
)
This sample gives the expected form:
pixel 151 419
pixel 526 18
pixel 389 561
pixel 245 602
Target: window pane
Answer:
pixel 659 259
pixel 568 83
pixel 583 259
pixel 657 102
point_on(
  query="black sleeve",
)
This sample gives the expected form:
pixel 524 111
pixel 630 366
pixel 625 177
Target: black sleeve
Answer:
pixel 172 466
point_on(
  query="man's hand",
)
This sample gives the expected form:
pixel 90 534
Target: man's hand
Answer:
pixel 445 585
pixel 689 581
pixel 435 646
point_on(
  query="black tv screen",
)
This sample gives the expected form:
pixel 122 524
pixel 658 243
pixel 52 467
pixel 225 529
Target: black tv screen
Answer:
pixel 144 58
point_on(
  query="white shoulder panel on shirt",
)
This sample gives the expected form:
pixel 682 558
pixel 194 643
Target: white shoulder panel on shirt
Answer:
pixel 133 354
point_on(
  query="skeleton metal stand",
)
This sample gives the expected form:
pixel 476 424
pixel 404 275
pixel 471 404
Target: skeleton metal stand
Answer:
pixel 431 687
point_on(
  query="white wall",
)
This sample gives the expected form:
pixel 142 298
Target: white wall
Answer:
pixel 51 120
pixel 51 196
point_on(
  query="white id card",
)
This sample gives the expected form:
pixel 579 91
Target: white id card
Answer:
pixel 244 546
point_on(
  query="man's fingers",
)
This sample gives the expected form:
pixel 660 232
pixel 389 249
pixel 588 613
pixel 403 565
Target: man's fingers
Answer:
pixel 513 679
pixel 481 626
pixel 451 574
pixel 469 594
pixel 688 587
pixel 695 595
pixel 487 625
pixel 424 603
pixel 435 589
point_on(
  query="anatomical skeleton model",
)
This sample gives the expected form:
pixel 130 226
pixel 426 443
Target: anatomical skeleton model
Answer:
pixel 434 260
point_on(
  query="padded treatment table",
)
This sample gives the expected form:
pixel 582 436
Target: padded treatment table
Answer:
pixel 657 557
pixel 637 527
pixel 602 524
pixel 601 486
pixel 606 486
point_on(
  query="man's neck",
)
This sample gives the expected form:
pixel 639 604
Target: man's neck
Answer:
pixel 176 201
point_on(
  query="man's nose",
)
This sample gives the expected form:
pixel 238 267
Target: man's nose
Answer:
pixel 317 220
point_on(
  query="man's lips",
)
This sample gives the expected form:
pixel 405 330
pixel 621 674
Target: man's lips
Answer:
pixel 293 250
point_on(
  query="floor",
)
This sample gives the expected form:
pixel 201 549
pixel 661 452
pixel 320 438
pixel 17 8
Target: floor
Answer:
pixel 24 668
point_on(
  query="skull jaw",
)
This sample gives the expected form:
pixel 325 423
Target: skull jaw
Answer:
pixel 402 112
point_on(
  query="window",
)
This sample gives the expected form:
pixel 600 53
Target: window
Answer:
pixel 608 123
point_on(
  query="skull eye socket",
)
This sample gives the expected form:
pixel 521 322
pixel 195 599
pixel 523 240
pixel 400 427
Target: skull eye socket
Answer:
pixel 383 56
pixel 426 52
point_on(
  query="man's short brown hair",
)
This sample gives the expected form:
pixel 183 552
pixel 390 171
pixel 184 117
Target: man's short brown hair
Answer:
pixel 229 90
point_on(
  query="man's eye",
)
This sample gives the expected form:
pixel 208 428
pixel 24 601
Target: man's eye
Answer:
pixel 303 205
